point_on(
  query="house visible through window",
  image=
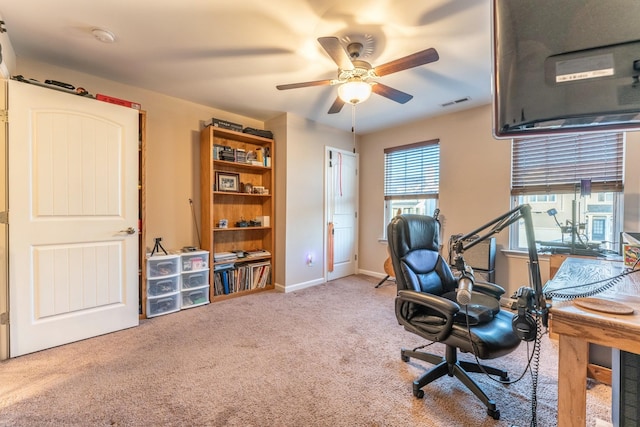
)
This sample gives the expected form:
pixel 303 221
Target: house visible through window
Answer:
pixel 411 179
pixel 574 184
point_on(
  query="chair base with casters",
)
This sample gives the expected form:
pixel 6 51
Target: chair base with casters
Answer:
pixel 451 366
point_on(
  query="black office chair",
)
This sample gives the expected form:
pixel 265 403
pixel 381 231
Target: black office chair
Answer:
pixel 426 305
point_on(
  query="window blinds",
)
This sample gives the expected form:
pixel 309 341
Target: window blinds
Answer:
pixel 557 164
pixel 412 171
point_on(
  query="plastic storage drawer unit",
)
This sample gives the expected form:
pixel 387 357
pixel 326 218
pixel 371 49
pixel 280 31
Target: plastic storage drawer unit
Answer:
pixel 192 261
pixel 163 304
pixel 163 265
pixel 163 285
pixel 195 297
pixel 195 279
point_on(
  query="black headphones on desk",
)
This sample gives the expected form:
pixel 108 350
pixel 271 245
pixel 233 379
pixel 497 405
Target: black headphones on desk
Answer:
pixel 524 325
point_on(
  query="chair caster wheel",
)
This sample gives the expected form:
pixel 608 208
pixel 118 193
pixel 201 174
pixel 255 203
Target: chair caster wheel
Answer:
pixel 404 358
pixel 504 378
pixel 494 413
pixel 418 393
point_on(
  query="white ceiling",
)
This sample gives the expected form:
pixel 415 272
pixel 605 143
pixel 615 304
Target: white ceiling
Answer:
pixel 231 55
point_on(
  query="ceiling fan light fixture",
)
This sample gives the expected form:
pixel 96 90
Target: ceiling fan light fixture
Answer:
pixel 354 91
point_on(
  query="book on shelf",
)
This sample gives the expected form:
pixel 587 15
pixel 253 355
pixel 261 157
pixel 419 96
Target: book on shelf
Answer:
pixel 224 256
pixel 241 155
pixel 258 271
pixel 258 253
pixel 225 266
pixel 217 148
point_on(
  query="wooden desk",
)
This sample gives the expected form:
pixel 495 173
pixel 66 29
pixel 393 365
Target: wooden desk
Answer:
pixel 577 327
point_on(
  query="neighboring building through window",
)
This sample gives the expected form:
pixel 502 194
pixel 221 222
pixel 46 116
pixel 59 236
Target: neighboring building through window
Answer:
pixel 574 184
pixel 411 179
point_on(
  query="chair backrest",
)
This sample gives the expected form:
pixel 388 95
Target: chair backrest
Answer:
pixel 414 243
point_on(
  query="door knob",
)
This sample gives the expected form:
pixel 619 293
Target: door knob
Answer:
pixel 129 230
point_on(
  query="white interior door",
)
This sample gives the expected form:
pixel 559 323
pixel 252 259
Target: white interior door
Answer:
pixel 73 175
pixel 342 203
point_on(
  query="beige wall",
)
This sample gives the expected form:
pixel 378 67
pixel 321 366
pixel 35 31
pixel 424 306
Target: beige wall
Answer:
pixel 301 221
pixel 475 179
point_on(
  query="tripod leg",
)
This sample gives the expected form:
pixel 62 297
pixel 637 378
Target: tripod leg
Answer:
pixel 383 280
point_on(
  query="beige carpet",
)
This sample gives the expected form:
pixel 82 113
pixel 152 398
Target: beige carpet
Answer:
pixel 324 356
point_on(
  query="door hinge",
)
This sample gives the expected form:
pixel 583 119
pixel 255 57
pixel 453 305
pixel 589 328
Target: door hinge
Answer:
pixel 4 318
pixel 4 117
pixel 4 217
pixel 355 257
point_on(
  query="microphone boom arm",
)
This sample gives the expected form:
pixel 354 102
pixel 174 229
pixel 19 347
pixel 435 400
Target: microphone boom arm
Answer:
pixel 495 226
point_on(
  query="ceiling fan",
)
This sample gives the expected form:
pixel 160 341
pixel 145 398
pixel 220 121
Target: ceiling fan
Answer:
pixel 356 77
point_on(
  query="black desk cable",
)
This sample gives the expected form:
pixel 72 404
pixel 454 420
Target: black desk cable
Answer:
pixel 533 364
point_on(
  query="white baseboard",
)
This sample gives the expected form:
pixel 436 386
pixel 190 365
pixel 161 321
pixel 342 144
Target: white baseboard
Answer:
pixel 299 286
pixel 371 273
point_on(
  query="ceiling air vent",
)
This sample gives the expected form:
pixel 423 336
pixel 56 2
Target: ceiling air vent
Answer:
pixel 457 101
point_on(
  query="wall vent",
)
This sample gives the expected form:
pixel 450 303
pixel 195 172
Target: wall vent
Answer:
pixel 457 101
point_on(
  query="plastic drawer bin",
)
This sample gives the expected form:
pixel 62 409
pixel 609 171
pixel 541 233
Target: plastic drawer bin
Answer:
pixel 195 279
pixel 195 297
pixel 198 260
pixel 163 265
pixel 165 304
pixel 163 285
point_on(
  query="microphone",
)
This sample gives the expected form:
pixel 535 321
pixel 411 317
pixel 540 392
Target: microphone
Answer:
pixel 465 285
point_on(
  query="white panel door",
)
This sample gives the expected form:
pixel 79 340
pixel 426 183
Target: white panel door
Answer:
pixel 73 179
pixel 342 202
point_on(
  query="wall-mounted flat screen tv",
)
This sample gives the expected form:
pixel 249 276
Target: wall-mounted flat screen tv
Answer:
pixel 565 66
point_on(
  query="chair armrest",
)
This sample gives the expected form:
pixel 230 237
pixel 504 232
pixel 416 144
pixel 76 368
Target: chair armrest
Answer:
pixel 489 289
pixel 434 302
pixel 433 322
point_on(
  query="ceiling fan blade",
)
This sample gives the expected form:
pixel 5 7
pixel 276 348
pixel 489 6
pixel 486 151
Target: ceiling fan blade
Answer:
pixel 304 84
pixel 337 106
pixel 391 93
pixel 335 50
pixel 414 60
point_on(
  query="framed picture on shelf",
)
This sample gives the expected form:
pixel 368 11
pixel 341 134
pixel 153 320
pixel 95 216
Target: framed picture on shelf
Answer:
pixel 227 181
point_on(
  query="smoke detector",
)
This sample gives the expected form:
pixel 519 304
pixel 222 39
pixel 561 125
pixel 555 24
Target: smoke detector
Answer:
pixel 105 36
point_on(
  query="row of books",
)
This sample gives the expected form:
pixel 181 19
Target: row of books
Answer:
pixel 222 152
pixel 242 277
pixel 240 155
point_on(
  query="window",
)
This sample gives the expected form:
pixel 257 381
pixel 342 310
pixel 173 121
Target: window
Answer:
pixel 411 179
pixel 574 184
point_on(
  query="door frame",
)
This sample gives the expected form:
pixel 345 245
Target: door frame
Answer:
pixel 4 228
pixel 327 159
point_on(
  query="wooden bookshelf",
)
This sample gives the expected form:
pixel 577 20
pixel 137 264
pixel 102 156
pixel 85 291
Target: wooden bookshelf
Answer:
pixel 232 197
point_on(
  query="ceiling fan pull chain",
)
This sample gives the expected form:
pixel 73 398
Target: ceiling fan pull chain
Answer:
pixel 353 124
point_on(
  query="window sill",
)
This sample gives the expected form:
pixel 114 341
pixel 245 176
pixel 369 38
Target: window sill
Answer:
pixel 514 253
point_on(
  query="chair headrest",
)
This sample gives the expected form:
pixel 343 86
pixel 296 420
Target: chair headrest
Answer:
pixel 410 232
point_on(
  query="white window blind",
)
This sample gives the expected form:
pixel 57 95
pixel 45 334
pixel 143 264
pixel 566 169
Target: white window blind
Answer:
pixel 412 170
pixel 558 163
